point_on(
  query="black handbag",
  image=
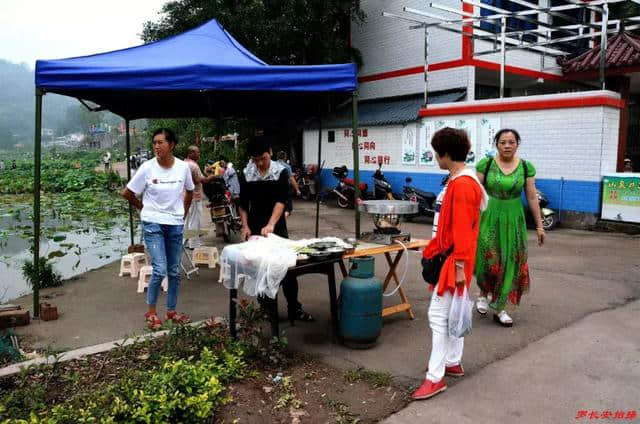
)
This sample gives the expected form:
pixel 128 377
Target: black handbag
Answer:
pixel 432 267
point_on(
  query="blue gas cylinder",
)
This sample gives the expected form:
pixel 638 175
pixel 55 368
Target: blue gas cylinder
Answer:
pixel 361 304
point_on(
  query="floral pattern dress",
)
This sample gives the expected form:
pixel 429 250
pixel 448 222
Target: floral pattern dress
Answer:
pixel 501 258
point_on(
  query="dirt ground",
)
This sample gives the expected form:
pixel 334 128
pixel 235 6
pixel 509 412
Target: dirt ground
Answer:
pixel 324 394
pixel 300 390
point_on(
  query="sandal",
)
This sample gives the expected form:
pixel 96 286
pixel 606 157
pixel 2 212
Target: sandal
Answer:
pixel 152 320
pixel 178 317
pixel 301 315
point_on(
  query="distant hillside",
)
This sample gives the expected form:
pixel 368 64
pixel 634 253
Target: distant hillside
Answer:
pixel 17 108
pixel 17 105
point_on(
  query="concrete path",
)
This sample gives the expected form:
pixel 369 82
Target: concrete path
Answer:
pixel 119 167
pixel 592 365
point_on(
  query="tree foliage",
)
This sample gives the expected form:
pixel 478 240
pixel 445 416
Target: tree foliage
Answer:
pixel 280 32
pixel 623 10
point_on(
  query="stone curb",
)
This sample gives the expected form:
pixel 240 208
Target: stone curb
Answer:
pixel 85 351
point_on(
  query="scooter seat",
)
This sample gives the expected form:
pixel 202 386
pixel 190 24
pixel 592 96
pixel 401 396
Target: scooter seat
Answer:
pixel 351 182
pixel 425 194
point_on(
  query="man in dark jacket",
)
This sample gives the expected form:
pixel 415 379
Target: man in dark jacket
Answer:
pixel 264 191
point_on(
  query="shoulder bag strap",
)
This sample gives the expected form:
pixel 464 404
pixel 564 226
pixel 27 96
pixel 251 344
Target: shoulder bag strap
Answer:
pixel 449 251
pixel 486 172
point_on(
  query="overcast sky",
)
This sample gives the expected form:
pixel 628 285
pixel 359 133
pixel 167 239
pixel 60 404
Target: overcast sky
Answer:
pixel 54 29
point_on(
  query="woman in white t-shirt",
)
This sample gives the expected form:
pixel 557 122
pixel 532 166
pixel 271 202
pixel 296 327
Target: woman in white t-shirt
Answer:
pixel 161 182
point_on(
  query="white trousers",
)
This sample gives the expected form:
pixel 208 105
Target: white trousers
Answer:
pixel 192 222
pixel 445 350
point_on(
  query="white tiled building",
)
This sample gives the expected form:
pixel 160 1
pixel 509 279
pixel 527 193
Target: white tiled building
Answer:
pixel 570 131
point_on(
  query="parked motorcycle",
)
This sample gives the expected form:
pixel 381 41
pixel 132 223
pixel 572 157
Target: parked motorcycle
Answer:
pixel 426 200
pixel 381 187
pixel 345 190
pixel 224 212
pixel 306 179
pixel 549 218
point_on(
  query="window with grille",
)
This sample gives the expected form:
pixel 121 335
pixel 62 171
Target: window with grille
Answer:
pixel 513 24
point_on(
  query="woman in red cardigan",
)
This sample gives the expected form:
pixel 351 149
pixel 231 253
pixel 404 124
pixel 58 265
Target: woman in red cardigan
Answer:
pixel 456 224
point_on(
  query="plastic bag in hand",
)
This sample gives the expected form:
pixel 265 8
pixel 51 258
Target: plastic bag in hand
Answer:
pixel 460 315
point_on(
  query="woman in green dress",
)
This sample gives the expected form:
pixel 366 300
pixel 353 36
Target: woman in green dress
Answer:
pixel 501 269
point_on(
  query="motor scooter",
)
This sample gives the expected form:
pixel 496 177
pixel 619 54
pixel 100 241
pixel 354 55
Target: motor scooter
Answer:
pixel 345 189
pixel 381 187
pixel 549 217
pixel 426 200
pixel 306 179
pixel 224 212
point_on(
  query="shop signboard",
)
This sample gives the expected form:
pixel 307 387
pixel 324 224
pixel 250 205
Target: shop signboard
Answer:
pixel 409 144
pixel 427 156
pixel 621 197
pixel 488 129
pixel 469 126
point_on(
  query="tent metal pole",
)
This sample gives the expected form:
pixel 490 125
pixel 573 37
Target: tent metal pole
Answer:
pixel 128 143
pixel 426 65
pixel 503 55
pixel 318 176
pixel 356 161
pixel 36 203
pixel 603 44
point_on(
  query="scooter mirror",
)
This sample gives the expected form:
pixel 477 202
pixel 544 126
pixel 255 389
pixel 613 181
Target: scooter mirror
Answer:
pixel 408 180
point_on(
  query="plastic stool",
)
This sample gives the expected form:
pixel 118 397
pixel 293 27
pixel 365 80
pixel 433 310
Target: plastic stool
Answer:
pixel 145 276
pixel 132 263
pixel 206 255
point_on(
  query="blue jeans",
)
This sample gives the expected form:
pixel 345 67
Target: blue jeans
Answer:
pixel 164 244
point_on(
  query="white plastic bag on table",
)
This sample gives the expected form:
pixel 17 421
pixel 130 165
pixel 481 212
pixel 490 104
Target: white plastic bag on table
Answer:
pixel 258 266
pixel 460 315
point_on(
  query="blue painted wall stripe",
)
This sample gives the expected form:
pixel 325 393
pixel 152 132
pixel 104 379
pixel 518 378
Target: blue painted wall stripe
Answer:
pixel 577 196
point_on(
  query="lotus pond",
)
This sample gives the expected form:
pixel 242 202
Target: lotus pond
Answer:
pixel 83 219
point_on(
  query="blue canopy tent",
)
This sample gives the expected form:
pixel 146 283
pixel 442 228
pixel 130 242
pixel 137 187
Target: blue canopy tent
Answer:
pixel 203 72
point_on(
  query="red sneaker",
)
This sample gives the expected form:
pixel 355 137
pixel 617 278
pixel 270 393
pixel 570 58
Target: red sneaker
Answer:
pixel 452 371
pixel 429 389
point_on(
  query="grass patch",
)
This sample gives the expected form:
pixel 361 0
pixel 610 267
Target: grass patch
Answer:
pixel 373 378
pixel 343 415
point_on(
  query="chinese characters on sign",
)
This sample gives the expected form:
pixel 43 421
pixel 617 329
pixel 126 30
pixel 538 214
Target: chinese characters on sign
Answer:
pixel 385 160
pixel 370 154
pixel 367 145
pixel 362 132
pixel 622 184
pixel 607 415
pixel 621 198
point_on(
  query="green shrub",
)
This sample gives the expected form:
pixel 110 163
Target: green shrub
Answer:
pixel 48 277
pixel 183 390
